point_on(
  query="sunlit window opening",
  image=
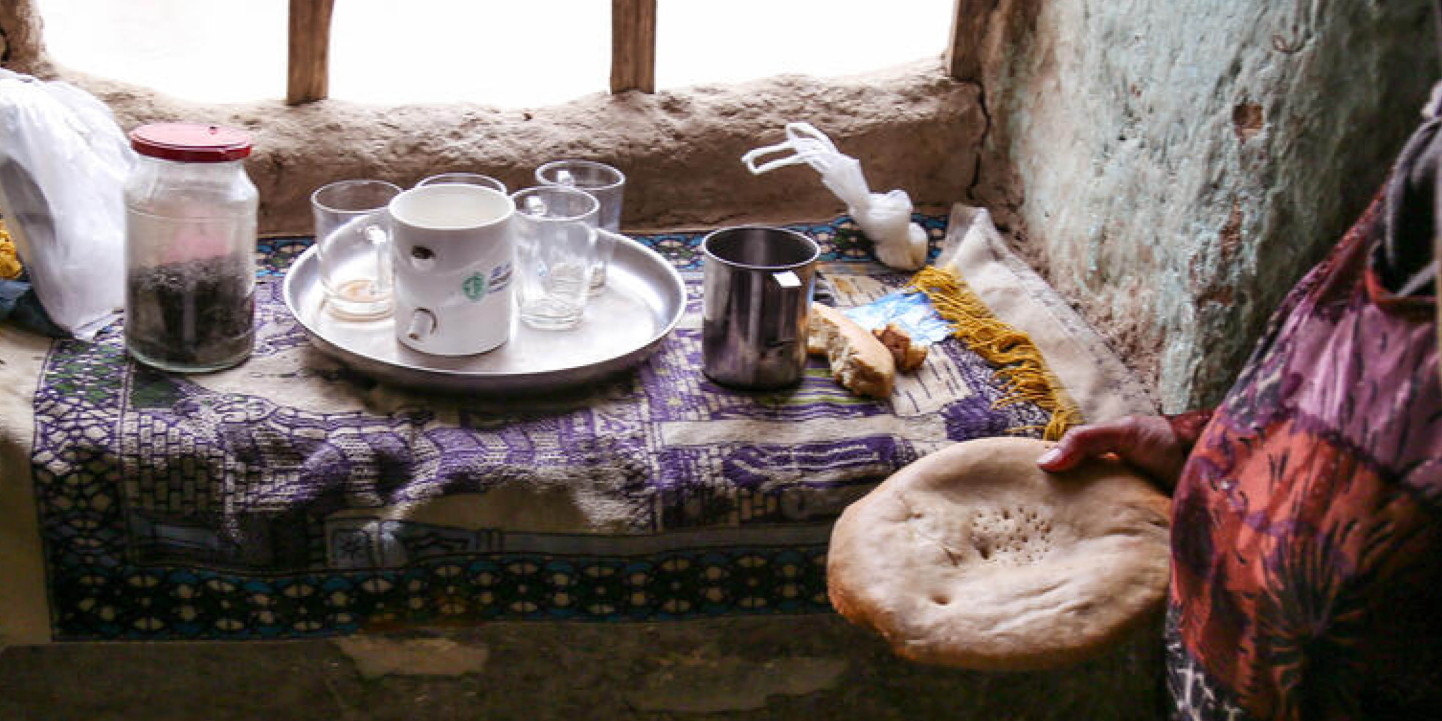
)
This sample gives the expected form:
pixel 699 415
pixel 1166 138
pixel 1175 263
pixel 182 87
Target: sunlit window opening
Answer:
pixel 538 52
pixel 207 51
pixel 739 40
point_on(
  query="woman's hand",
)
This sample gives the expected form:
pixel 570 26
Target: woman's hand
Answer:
pixel 1146 443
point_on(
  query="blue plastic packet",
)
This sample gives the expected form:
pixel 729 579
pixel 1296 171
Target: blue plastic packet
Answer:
pixel 911 311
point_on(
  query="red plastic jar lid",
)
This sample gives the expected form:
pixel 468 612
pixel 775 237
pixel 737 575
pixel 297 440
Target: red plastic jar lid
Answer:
pixel 190 142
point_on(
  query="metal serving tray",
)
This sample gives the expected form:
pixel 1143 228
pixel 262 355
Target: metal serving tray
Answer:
pixel 643 300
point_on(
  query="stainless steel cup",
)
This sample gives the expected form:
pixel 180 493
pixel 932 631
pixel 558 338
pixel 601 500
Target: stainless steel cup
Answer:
pixel 756 298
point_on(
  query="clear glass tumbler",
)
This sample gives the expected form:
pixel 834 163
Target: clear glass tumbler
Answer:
pixel 555 233
pixel 485 181
pixel 608 185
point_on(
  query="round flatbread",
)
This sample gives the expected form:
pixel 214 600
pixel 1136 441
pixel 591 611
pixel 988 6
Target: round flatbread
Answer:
pixel 974 557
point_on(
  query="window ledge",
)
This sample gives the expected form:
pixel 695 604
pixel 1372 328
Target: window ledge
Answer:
pixel 911 127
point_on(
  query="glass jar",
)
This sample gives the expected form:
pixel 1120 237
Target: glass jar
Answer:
pixel 190 230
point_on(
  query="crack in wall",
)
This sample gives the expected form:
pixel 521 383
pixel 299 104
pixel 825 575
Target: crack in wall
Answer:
pixel 981 143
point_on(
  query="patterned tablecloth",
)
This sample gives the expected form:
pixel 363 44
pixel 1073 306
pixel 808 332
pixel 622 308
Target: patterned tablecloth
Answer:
pixel 291 497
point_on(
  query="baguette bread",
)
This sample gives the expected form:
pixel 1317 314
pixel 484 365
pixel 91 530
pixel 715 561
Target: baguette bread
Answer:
pixel 859 362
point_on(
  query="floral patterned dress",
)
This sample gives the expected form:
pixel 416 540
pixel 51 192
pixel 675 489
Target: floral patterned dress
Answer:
pixel 1307 524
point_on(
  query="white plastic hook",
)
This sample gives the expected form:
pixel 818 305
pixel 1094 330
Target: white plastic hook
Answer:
pixel 884 217
pixel 810 145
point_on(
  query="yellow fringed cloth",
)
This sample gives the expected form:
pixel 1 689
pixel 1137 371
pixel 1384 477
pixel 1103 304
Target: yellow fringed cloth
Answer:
pixel 9 260
pixel 1021 369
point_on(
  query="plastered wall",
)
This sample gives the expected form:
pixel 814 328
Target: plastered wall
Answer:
pixel 1182 165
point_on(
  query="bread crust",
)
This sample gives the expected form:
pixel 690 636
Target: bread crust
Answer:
pixel 974 557
pixel 907 355
pixel 859 362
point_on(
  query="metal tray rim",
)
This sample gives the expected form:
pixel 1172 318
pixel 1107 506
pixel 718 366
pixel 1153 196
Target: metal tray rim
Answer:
pixel 490 381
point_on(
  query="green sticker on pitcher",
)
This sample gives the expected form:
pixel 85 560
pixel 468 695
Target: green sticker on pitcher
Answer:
pixel 475 286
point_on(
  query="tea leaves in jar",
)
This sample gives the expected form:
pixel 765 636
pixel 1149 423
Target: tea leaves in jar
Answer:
pixel 191 315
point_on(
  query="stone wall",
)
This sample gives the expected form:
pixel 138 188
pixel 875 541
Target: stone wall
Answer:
pixel 1182 168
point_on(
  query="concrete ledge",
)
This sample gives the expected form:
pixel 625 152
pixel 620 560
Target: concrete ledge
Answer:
pixel 739 668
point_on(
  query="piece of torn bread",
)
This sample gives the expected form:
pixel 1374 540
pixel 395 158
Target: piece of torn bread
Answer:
pixel 907 355
pixel 859 362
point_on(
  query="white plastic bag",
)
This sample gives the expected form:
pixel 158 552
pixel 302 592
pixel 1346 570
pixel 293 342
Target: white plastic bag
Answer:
pixel 884 217
pixel 63 163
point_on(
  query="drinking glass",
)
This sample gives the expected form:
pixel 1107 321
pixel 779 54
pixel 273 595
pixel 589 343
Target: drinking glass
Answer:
pixel 484 181
pixel 353 247
pixel 604 182
pixel 555 233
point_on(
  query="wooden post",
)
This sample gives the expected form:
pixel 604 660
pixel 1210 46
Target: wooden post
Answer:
pixel 309 69
pixel 633 45
pixel 21 44
pixel 968 32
